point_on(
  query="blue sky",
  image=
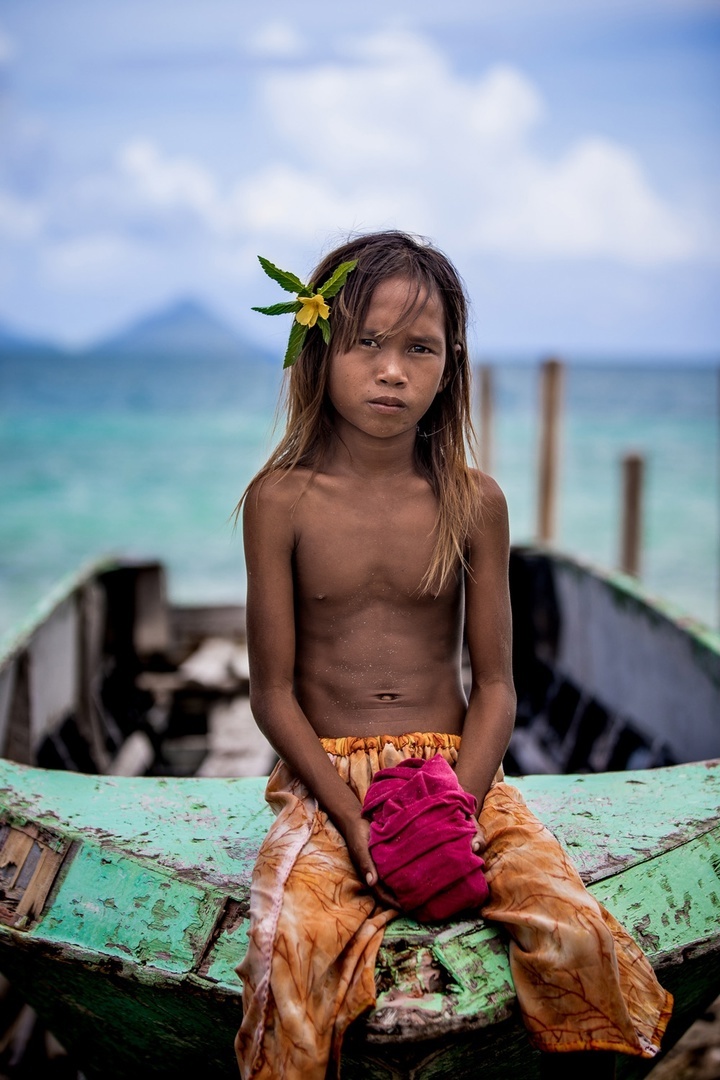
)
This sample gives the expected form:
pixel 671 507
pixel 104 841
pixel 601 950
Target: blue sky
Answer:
pixel 566 155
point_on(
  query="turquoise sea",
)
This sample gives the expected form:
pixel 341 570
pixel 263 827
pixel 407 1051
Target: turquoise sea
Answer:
pixel 151 463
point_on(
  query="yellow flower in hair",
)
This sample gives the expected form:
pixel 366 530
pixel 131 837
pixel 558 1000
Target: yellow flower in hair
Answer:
pixel 310 308
pixel 313 307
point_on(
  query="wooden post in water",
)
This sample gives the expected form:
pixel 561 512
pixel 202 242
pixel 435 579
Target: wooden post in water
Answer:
pixel 486 418
pixel 633 471
pixel 551 376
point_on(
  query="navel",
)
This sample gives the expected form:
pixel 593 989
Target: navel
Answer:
pixel 387 697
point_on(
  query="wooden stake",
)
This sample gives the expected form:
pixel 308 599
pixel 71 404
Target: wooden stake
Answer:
pixel 550 405
pixel 633 471
pixel 486 418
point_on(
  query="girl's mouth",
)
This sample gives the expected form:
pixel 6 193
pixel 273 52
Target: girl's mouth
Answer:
pixel 387 404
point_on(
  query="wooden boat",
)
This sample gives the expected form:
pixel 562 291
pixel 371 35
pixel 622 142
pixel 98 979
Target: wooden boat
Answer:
pixel 125 897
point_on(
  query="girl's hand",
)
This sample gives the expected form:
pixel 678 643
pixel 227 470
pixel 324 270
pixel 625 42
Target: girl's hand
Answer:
pixel 479 840
pixel 357 835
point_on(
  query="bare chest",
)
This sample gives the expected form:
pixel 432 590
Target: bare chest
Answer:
pixel 376 544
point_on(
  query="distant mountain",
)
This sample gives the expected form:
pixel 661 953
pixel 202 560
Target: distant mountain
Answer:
pixel 184 331
pixel 14 343
pixel 182 357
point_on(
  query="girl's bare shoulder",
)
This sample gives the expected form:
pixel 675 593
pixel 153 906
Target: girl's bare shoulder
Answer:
pixel 491 499
pixel 277 491
pixel 269 513
pixel 490 530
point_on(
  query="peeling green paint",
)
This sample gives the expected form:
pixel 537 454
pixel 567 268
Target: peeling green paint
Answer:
pixel 139 903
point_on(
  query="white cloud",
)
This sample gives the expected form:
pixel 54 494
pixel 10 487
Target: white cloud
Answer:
pixel 149 189
pixel 392 137
pixel 460 153
pixel 167 182
pixel 161 198
pixel 276 39
pixel 503 106
pixel 286 200
pixel 593 202
pixel 91 260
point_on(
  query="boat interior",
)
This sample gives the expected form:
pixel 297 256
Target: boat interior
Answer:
pixel 116 678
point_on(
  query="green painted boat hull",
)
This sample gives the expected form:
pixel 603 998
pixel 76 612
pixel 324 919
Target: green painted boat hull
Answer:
pixel 126 942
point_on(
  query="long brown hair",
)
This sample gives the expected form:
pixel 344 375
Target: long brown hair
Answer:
pixel 445 436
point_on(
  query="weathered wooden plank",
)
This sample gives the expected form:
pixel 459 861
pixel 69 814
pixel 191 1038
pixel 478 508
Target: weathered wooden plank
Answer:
pixel 54 670
pixel 607 821
pixel 33 901
pixel 17 740
pixel 151 627
pixel 179 902
pixel 7 690
pixel 652 666
pixel 91 718
pixel 106 915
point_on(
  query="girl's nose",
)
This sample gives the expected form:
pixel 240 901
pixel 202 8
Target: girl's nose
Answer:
pixel 391 368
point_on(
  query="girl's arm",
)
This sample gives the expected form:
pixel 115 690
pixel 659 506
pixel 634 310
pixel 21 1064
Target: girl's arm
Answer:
pixel 491 709
pixel 269 540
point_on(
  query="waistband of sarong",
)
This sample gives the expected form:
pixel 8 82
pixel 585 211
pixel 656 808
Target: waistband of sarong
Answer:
pixel 420 741
pixel 357 758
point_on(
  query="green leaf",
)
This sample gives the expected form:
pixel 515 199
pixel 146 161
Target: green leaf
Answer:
pixel 337 279
pixel 285 280
pixel 279 309
pixel 324 330
pixel 295 344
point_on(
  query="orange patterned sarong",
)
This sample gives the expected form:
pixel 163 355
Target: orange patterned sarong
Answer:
pixel 582 982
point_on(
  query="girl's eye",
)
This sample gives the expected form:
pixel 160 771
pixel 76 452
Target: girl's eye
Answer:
pixel 369 342
pixel 419 348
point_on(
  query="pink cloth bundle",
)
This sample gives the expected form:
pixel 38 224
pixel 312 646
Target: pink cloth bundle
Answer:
pixel 421 829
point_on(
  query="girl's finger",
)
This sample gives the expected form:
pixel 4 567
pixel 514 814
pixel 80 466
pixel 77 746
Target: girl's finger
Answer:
pixel 385 896
pixel 479 840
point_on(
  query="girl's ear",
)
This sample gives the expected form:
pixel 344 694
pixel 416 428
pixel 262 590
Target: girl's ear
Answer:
pixel 447 373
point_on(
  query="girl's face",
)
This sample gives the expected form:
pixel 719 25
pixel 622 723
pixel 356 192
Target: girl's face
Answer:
pixel 385 383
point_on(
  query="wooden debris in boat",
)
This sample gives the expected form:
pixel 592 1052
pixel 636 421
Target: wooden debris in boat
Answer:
pixel 236 745
pixel 218 664
pixel 135 756
pixel 161 684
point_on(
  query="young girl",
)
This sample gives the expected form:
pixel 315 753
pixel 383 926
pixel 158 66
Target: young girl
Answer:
pixel 371 548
